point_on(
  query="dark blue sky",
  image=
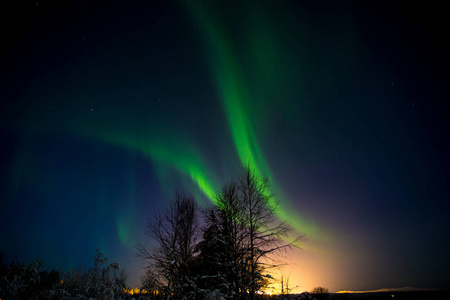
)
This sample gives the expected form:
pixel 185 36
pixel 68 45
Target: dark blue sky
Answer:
pixel 106 108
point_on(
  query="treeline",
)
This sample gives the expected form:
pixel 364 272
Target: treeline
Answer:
pixel 103 281
pixel 227 249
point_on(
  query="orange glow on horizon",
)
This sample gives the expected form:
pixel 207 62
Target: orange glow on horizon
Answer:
pixel 329 264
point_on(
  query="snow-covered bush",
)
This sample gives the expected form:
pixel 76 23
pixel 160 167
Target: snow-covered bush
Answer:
pixel 20 281
pixel 102 282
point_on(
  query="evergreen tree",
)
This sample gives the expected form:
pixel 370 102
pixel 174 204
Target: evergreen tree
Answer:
pixel 222 248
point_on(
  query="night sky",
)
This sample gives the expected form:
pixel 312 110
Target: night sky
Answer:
pixel 107 107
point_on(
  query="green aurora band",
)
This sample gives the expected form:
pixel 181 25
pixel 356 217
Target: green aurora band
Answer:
pixel 173 149
pixel 183 156
pixel 236 98
pixel 177 155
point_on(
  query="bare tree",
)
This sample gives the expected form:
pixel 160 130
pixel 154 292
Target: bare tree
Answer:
pixel 286 289
pixel 174 234
pixel 241 237
pixel 284 282
pixel 320 293
pixel 266 233
pixel 319 290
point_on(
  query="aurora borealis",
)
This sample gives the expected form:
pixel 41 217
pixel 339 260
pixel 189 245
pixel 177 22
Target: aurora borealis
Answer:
pixel 107 108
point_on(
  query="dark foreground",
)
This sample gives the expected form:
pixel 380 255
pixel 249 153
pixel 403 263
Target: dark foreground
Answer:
pixel 403 295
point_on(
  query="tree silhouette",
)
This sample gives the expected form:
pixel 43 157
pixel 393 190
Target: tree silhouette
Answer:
pixel 266 233
pixel 175 233
pixel 222 251
pixel 241 235
pixel 319 290
pixel 320 293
